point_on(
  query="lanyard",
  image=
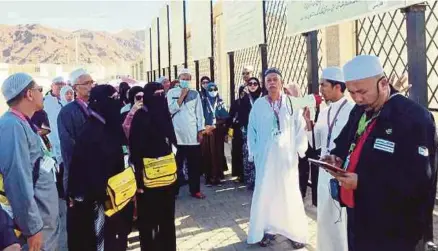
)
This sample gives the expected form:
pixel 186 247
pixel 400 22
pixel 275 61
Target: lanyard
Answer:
pixel 332 124
pixel 212 107
pixel 24 118
pixel 276 111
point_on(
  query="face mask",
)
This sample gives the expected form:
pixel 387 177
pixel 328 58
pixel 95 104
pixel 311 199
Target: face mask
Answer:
pixel 212 94
pixel 184 84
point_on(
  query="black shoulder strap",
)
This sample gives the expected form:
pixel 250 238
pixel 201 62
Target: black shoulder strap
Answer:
pixel 36 171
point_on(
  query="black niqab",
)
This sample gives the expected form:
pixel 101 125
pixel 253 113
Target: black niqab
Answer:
pixel 132 92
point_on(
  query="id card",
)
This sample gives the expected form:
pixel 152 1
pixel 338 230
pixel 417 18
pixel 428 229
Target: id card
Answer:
pixel 47 164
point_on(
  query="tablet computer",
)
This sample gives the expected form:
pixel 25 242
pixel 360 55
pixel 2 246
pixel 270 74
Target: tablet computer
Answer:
pixel 327 166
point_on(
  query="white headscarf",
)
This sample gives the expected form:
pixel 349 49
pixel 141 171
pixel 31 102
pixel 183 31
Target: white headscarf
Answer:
pixel 63 92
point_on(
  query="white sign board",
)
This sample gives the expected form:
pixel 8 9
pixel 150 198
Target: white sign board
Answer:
pixel 147 50
pixel 177 32
pixel 164 38
pixel 305 16
pixel 243 24
pixel 200 29
pixel 154 45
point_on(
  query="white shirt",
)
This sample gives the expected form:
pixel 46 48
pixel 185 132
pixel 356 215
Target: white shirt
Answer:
pixel 321 127
pixel 52 106
pixel 188 119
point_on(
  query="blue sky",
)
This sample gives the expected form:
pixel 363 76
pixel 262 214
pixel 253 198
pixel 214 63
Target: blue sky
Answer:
pixel 93 15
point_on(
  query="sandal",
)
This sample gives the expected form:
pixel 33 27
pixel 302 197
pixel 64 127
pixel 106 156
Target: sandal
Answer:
pixel 297 245
pixel 198 195
pixel 267 238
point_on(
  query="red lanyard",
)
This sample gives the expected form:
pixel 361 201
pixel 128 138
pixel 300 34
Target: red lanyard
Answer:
pixel 23 117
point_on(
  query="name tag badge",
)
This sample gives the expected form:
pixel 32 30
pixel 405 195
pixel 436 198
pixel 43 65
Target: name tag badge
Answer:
pixel 422 150
pixel 47 164
pixel 384 145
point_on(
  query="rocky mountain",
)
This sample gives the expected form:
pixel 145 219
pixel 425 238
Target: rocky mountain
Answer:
pixel 33 43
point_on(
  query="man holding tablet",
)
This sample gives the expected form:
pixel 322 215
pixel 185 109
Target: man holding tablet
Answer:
pixel 388 148
pixel 332 219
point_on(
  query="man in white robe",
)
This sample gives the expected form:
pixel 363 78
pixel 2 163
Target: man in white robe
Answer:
pixel 331 217
pixel 276 137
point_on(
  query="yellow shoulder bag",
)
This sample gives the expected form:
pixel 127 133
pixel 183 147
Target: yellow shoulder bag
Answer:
pixel 5 202
pixel 121 188
pixel 159 172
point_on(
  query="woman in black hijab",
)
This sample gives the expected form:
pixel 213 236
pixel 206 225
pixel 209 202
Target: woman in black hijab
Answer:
pixel 254 92
pixel 123 91
pixel 151 136
pixel 237 142
pixel 135 94
pixel 97 156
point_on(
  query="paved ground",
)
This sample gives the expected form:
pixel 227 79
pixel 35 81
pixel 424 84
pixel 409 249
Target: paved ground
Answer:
pixel 220 222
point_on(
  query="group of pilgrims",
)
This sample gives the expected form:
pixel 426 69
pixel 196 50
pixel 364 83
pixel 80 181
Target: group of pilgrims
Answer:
pixel 83 165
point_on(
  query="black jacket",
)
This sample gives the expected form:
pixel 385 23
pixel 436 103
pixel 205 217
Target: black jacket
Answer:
pixel 396 190
pixel 150 137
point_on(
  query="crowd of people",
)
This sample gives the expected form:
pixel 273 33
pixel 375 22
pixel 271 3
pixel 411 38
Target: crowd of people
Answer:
pixel 100 159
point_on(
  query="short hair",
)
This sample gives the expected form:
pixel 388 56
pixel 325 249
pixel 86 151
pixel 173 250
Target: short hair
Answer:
pixel 334 83
pixel 15 100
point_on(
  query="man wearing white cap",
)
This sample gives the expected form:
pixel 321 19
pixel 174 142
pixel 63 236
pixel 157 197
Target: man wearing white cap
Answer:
pixel 28 192
pixel 388 148
pixel 332 219
pixel 185 106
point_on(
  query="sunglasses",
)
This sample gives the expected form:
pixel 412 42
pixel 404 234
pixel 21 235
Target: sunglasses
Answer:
pixel 253 84
pixel 212 89
pixel 138 97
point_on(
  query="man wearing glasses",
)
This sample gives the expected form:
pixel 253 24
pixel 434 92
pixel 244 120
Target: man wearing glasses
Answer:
pixel 246 75
pixel 28 192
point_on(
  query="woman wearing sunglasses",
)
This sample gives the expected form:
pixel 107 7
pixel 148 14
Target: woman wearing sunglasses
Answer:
pixel 213 155
pixel 254 92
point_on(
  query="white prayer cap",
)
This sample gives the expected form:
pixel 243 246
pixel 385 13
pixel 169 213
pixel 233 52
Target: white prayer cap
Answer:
pixel 162 79
pixel 249 68
pixel 333 73
pixel 76 74
pixel 361 67
pixel 184 71
pixel 15 84
pixel 58 80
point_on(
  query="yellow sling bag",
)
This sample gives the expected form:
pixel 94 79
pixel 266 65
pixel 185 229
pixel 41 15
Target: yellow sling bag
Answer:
pixel 159 172
pixel 5 202
pixel 121 188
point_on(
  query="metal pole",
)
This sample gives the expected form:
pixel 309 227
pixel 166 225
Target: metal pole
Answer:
pixel 417 61
pixel 185 34
pixel 175 69
pixel 212 42
pixel 264 57
pixel 168 41
pixel 158 41
pixel 232 83
pixel 197 74
pixel 150 49
pixel 312 62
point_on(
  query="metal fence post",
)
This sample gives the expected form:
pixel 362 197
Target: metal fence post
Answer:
pixel 264 57
pixel 232 83
pixel 175 69
pixel 417 61
pixel 185 34
pixel 197 74
pixel 168 42
pixel 212 69
pixel 312 62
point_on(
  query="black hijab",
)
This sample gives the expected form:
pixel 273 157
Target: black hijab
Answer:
pixel 132 92
pixel 156 103
pixel 255 95
pixel 101 102
pixel 123 91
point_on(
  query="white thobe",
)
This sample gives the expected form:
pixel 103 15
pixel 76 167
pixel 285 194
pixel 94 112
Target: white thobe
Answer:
pixel 277 206
pixel 331 218
pixel 52 106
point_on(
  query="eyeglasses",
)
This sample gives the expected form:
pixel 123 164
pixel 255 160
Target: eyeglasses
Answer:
pixel 212 89
pixel 89 82
pixel 59 83
pixel 253 83
pixel 39 88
